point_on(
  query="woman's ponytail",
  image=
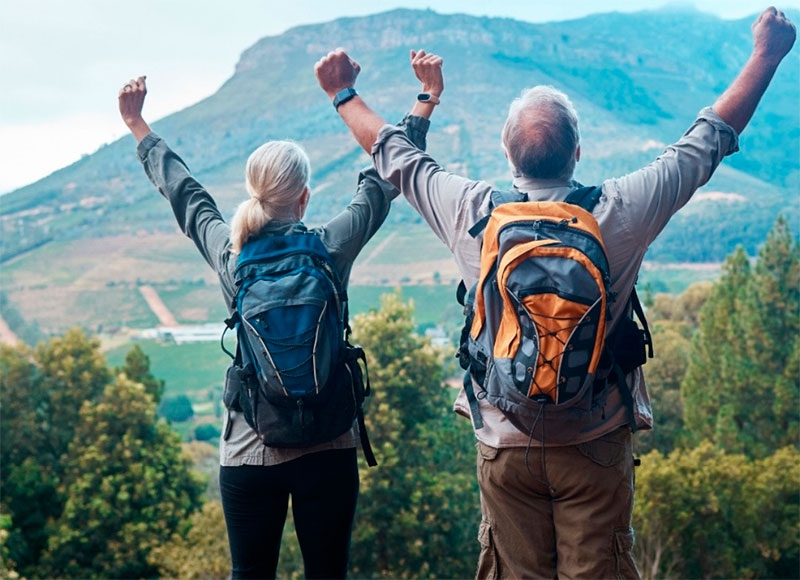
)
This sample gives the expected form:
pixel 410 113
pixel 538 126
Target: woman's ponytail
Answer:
pixel 249 219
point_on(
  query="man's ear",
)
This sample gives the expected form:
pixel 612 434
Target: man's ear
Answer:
pixel 578 153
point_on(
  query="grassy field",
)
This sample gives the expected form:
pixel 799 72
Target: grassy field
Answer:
pixel 95 283
pixel 192 369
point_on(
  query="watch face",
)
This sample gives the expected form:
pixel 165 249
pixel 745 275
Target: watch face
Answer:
pixel 427 98
pixel 343 96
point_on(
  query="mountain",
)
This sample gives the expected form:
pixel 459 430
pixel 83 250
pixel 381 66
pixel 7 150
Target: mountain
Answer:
pixel 637 81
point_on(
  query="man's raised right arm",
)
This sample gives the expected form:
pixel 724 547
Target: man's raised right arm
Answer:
pixel 337 72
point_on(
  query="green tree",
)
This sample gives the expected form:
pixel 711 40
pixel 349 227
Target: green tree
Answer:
pixel 127 485
pixel 7 565
pixel 73 370
pixel 28 492
pixel 684 308
pixel 775 341
pixel 772 504
pixel 418 510
pixel 206 432
pixel 739 390
pixel 41 391
pixel 201 553
pixel 22 399
pixel 705 513
pixel 73 462
pixel 664 373
pixel 137 369
pixel 32 498
pixel 674 321
pixel 176 409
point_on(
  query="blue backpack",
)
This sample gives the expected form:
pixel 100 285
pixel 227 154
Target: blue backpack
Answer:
pixel 295 376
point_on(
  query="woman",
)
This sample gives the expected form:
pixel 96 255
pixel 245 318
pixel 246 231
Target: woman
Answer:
pixel 256 481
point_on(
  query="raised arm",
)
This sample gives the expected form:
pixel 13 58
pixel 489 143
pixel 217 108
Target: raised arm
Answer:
pixel 337 72
pixel 373 198
pixel 773 37
pixel 194 208
pixel 428 69
pixel 131 102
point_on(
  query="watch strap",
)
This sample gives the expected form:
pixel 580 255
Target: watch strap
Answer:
pixel 343 96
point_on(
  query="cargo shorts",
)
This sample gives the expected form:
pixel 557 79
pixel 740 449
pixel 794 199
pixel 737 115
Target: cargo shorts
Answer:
pixel 557 512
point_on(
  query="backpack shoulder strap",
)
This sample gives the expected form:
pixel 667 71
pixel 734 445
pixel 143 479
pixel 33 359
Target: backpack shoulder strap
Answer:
pixel 366 447
pixel 586 197
pixel 496 198
pixel 637 308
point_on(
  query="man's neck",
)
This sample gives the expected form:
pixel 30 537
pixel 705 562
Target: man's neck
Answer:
pixel 548 187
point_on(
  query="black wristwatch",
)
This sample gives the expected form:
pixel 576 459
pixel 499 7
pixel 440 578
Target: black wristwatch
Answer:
pixel 428 98
pixel 343 96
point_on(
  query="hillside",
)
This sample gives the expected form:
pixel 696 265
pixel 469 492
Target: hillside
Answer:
pixel 95 231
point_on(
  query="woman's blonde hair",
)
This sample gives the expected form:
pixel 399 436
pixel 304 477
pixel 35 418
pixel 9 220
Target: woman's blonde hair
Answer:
pixel 276 175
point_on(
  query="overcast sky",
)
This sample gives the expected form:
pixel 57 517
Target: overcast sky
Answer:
pixel 62 62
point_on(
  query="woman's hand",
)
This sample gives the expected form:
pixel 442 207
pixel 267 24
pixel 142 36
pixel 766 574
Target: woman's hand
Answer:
pixel 131 102
pixel 428 68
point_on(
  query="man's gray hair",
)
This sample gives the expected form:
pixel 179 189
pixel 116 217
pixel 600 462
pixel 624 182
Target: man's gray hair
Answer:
pixel 541 134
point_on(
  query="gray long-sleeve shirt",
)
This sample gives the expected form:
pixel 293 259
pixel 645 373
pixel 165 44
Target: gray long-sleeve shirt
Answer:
pixel 344 236
pixel 632 211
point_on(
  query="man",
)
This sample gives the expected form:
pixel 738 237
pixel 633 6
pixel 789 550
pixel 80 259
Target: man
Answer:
pixel 561 511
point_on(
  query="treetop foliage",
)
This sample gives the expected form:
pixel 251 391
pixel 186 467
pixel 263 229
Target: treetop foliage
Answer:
pixel 92 480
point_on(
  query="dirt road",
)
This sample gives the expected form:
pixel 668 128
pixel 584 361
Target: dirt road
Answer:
pixel 7 336
pixel 165 317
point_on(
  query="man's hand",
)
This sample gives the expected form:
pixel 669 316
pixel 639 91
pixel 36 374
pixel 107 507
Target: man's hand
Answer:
pixel 428 68
pixel 336 71
pixel 773 35
pixel 131 101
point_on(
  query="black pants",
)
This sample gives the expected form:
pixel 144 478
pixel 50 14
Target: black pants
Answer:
pixel 324 490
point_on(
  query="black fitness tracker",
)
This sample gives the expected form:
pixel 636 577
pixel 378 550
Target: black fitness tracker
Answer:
pixel 428 98
pixel 343 96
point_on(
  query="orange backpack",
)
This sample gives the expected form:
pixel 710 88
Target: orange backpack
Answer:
pixel 535 337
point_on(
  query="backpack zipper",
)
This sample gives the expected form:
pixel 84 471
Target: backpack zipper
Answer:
pixel 539 228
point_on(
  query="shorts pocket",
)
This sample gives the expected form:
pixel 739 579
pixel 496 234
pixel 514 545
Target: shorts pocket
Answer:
pixel 487 562
pixel 486 452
